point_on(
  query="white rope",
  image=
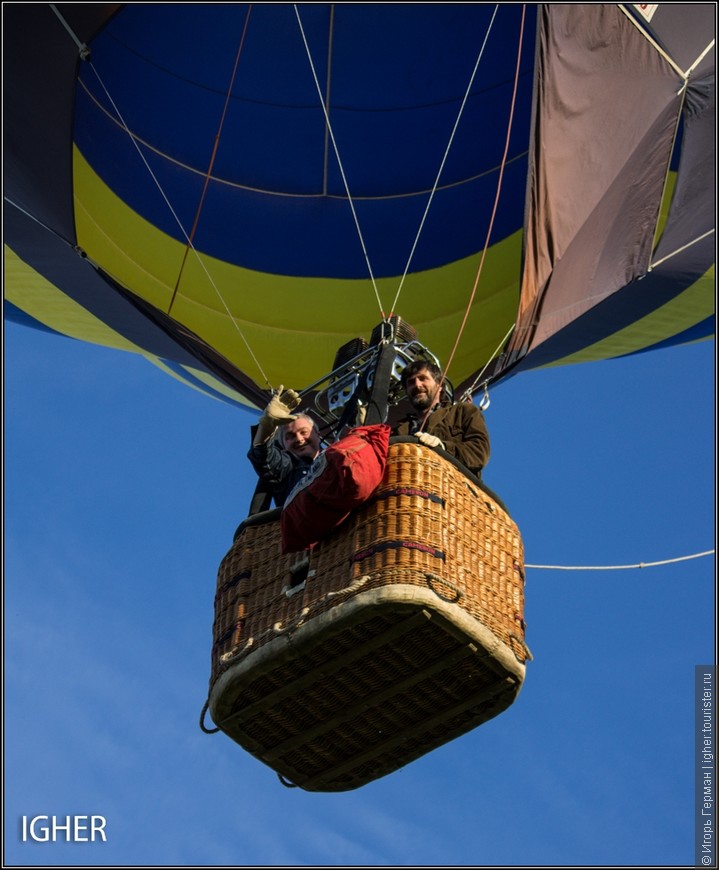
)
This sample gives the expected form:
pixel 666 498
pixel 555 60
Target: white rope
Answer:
pixel 679 250
pixel 37 220
pixel 339 162
pixel 444 158
pixel 179 223
pixel 620 567
pixel 467 394
pixel 645 33
pixel 684 73
pixel 82 48
pixel 699 59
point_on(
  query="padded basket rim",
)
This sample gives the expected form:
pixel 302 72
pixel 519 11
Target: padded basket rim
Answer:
pixel 293 642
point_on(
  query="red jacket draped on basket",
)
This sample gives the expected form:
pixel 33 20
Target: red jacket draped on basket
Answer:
pixel 340 479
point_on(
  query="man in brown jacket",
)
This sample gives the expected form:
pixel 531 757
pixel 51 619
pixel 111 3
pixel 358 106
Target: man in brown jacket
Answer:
pixel 458 429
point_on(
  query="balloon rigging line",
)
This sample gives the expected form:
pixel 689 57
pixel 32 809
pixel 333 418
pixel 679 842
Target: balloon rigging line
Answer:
pixel 467 394
pixel 37 220
pixel 683 248
pixel 179 223
pixel 83 50
pixel 215 146
pixel 492 217
pixel 78 250
pixel 498 191
pixel 699 59
pixel 339 162
pixel 665 183
pixel 652 42
pixel 326 160
pixel 620 567
pixel 444 158
pixel 685 74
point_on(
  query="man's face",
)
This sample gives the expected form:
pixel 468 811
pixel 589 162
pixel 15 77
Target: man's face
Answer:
pixel 422 390
pixel 301 438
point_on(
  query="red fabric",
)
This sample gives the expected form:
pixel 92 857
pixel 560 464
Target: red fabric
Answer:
pixel 342 478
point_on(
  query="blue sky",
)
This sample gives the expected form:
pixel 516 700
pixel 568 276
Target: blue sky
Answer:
pixel 122 491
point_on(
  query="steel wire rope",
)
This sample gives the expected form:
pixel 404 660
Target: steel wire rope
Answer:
pixel 444 160
pixel 169 204
pixel 339 162
pixel 503 163
pixel 467 394
pixel 215 146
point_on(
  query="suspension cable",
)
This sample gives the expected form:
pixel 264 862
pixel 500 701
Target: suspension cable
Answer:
pixel 491 221
pixel 326 149
pixel 82 48
pixel 674 253
pixel 498 191
pixel 339 162
pixel 180 225
pixel 216 145
pixel 444 159
pixel 467 394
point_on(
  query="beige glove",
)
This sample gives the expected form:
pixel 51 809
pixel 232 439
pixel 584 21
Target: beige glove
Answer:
pixel 280 407
pixel 277 413
pixel 430 440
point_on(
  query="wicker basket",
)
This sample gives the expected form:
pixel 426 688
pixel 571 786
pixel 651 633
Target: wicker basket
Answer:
pixel 400 631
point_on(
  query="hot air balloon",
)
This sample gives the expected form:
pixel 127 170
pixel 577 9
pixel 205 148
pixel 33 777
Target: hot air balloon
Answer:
pixel 245 193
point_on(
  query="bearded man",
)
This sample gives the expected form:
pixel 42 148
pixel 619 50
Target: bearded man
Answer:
pixel 457 429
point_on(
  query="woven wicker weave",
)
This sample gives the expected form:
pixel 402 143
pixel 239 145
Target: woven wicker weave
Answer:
pixel 406 632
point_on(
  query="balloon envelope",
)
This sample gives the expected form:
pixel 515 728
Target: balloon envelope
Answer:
pixel 235 191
